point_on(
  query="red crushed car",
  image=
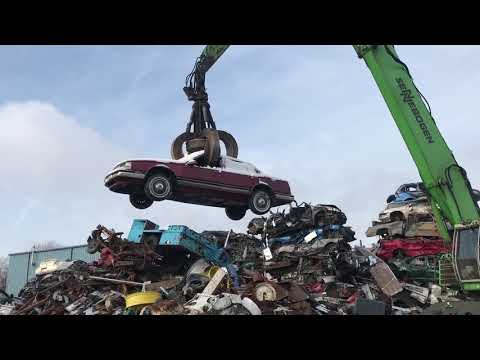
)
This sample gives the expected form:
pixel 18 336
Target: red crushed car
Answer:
pixel 234 185
pixel 412 247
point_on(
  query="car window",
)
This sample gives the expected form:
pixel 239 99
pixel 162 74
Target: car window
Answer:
pixel 236 166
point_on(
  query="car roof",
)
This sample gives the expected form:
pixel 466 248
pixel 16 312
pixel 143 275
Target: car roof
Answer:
pixel 226 161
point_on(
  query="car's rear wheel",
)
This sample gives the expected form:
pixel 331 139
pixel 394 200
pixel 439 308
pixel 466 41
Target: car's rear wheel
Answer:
pixel 158 187
pixel 260 202
pixel 140 201
pixel 235 213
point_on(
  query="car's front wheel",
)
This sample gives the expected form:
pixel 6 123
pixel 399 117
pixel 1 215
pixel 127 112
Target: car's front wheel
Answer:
pixel 260 202
pixel 158 187
pixel 235 213
pixel 140 201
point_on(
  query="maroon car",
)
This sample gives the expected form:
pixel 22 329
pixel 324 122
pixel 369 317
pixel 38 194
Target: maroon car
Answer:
pixel 411 247
pixel 234 185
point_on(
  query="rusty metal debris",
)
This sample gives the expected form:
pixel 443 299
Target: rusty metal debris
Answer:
pixel 298 262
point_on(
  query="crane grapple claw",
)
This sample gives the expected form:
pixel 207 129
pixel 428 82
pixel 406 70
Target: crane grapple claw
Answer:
pixel 209 141
pixel 230 143
pixel 176 150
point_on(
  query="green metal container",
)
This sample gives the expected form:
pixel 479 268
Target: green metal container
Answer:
pixel 21 266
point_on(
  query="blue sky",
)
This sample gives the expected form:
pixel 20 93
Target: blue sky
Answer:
pixel 309 114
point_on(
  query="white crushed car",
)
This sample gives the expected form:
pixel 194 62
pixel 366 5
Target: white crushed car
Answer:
pixel 52 265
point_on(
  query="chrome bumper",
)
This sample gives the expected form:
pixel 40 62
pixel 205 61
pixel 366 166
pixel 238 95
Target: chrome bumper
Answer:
pixel 124 174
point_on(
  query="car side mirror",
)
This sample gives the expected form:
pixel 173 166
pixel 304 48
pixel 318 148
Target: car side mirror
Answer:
pixel 191 162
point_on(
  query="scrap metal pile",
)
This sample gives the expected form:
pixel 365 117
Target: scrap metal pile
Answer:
pixel 298 262
pixel 409 239
pixel 410 244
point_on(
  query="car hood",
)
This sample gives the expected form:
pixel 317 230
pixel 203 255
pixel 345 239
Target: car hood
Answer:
pixel 183 160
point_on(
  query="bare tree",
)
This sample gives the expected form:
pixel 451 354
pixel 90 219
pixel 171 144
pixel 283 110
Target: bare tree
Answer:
pixel 47 245
pixel 3 272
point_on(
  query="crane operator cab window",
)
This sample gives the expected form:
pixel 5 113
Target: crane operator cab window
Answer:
pixel 466 254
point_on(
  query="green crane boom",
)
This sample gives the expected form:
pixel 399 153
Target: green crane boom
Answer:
pixel 211 54
pixel 446 183
pixel 444 179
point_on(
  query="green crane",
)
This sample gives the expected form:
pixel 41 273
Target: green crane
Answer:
pixel 449 191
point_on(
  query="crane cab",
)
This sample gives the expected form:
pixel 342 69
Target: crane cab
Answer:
pixel 466 256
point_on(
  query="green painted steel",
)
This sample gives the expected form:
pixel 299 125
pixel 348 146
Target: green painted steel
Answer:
pixel 471 286
pixel 446 182
pixel 211 54
pixel 446 273
pixel 21 267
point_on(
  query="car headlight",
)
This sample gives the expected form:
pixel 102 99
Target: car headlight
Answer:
pixel 124 166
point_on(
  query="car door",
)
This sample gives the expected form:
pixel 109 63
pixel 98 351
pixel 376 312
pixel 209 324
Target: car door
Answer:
pixel 189 172
pixel 197 184
pixel 200 174
pixel 236 175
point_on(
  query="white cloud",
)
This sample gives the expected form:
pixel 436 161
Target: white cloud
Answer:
pixel 45 150
pixel 52 182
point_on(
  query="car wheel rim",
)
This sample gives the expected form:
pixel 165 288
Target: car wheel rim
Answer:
pixel 160 188
pixel 262 202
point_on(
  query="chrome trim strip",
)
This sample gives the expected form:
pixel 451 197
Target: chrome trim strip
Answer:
pixel 211 186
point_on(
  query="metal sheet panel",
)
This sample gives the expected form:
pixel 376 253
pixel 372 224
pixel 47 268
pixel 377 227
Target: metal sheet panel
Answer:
pixel 17 273
pixel 80 253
